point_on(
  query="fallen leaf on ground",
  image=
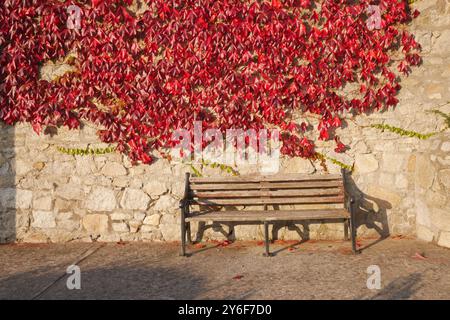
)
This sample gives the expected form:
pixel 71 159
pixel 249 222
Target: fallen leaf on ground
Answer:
pixel 419 256
pixel 291 249
pixel 224 243
pixel 260 243
pixel 358 243
pixel 122 243
pixel 200 245
pixel 237 277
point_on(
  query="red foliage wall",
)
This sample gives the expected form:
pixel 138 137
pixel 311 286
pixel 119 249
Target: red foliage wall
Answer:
pixel 230 63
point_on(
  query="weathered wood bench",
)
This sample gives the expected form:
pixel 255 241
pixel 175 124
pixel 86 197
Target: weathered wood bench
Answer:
pixel 325 192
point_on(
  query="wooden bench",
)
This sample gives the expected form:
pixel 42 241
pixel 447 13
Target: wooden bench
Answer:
pixel 324 192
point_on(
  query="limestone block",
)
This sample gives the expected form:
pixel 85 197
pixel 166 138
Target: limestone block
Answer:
pixel 152 220
pixel 134 199
pixel 95 223
pixel 166 203
pixel 35 237
pixel 424 233
pixel 445 146
pixel 43 219
pixel 70 191
pixel 424 172
pixel 394 162
pixel 139 216
pixel 442 43
pixel 365 163
pixel 401 181
pixel 170 232
pixel 155 188
pixel 386 194
pixel 120 227
pixel 440 217
pixel 298 165
pixel 121 182
pixel 434 91
pixel 134 225
pixel 120 216
pixel 84 165
pixel 435 199
pixel 23 198
pixel 114 169
pixel 422 213
pixel 444 177
pixel 101 199
pixel 43 203
pixel 444 239
pixel 63 205
pixel 69 225
pixel 22 167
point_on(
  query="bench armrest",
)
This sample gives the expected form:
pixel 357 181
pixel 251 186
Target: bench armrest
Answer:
pixel 183 203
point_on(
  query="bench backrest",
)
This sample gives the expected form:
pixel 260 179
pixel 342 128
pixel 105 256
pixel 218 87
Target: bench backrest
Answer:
pixel 287 189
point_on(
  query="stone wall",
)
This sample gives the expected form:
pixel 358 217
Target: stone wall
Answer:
pixel 400 182
pixel 432 190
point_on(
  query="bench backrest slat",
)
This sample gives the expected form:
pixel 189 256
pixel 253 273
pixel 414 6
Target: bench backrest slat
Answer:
pixel 289 189
pixel 266 193
pixel 266 178
pixel 269 201
pixel 271 185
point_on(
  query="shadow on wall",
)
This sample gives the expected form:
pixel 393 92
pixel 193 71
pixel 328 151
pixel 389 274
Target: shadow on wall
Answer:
pixel 7 185
pixel 369 211
pixel 118 282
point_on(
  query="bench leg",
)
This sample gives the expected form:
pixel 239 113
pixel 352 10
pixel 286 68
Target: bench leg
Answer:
pixel 188 233
pixel 183 239
pixel 346 229
pixel 266 238
pixel 353 236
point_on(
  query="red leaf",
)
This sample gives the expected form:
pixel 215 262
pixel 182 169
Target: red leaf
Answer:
pixel 419 256
pixel 276 4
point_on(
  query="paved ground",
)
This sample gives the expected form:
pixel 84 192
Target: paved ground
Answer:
pixel 312 270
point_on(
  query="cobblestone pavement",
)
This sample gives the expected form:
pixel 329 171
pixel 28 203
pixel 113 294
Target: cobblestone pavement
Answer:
pixel 410 269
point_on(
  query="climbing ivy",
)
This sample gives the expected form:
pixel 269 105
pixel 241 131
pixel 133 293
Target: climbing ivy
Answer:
pixel 86 151
pixel 446 117
pixel 214 165
pixel 403 132
pixel 322 157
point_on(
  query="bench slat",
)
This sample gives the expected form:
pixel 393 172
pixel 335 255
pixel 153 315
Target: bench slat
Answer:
pixel 267 193
pixel 267 185
pixel 261 201
pixel 270 215
pixel 269 178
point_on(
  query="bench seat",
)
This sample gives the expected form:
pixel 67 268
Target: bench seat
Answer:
pixel 266 199
pixel 270 215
